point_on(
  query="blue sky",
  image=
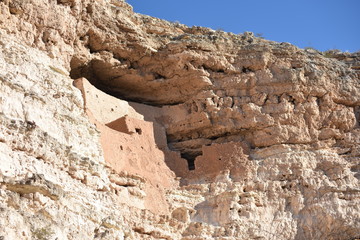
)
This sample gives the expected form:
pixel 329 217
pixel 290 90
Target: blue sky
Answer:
pixel 321 24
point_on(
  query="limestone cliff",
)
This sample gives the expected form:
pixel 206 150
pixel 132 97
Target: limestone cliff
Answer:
pixel 116 125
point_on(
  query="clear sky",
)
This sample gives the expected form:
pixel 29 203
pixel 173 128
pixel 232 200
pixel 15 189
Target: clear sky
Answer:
pixel 321 24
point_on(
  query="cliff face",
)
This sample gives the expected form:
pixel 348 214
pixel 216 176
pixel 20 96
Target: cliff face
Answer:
pixel 116 125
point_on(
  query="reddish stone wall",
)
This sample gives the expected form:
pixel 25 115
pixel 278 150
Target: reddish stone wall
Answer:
pixel 228 158
pixel 135 146
pixel 129 146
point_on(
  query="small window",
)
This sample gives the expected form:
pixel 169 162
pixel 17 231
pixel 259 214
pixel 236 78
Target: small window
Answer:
pixel 138 131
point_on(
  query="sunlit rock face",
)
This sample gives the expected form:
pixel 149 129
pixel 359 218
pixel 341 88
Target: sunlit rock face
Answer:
pixel 116 125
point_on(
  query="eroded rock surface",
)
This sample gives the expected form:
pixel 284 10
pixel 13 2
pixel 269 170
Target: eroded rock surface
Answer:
pixel 207 134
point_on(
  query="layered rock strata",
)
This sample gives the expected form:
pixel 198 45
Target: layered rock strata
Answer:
pixel 206 134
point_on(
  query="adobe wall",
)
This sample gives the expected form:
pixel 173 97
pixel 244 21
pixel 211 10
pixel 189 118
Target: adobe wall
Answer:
pixel 228 159
pixel 130 145
pixel 104 107
pixel 134 140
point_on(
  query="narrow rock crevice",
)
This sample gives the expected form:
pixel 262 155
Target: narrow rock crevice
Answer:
pixel 36 183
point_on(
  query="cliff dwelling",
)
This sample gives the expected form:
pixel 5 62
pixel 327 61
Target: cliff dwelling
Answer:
pixel 118 125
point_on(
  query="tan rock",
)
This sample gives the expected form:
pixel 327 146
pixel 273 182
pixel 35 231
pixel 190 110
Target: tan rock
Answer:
pixel 284 122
